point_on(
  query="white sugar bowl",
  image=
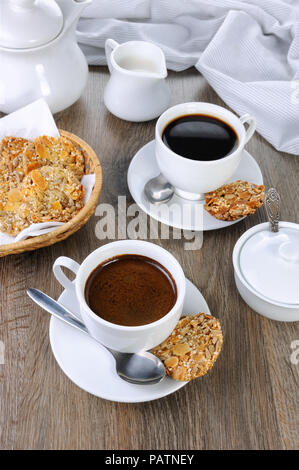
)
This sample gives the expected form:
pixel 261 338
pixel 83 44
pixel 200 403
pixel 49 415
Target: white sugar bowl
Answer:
pixel 266 266
pixel 39 54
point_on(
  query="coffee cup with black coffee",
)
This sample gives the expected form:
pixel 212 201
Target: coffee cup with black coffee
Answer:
pixel 199 146
pixel 130 293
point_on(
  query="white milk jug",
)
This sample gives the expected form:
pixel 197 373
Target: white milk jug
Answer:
pixel 137 90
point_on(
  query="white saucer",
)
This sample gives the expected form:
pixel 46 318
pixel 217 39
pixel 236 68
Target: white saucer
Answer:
pixel 91 367
pixel 144 167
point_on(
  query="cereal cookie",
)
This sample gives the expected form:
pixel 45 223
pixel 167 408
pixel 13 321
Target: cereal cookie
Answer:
pixel 45 194
pixel 39 181
pixel 60 152
pixel 52 193
pixel 16 158
pixel 235 200
pixel 192 348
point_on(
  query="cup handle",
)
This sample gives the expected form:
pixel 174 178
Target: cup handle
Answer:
pixel 63 279
pixel 251 121
pixel 59 274
pixel 110 45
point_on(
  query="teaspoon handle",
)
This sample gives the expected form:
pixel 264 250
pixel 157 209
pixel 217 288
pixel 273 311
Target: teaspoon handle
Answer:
pixel 272 203
pixel 130 367
pixel 62 313
pixel 56 309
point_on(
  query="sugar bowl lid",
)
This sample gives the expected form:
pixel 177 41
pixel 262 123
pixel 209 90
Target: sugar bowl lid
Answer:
pixel 269 263
pixel 29 23
pixel 268 258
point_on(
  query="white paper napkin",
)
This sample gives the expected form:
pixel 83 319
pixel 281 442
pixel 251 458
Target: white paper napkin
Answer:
pixel 29 122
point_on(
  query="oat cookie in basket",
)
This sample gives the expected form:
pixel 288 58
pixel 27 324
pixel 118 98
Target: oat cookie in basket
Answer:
pixel 39 181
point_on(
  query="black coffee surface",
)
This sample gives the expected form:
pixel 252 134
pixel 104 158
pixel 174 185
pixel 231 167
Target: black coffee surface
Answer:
pixel 130 290
pixel 200 137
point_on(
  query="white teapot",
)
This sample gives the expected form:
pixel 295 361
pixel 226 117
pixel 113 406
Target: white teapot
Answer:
pixel 39 54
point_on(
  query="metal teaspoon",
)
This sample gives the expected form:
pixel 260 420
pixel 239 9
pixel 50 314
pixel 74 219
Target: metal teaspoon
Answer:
pixel 141 368
pixel 158 190
pixel 272 204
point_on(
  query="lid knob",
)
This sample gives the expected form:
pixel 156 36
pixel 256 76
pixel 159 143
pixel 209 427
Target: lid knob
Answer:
pixel 29 23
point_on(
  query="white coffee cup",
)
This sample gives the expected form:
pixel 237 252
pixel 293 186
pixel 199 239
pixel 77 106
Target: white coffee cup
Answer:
pixel 192 178
pixel 123 338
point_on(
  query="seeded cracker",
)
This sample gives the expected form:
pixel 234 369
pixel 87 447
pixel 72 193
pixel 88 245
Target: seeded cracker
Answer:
pixel 39 182
pixel 48 193
pixel 235 200
pixel 192 348
pixel 60 152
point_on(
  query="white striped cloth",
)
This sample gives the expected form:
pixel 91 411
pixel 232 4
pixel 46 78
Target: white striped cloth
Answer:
pixel 248 50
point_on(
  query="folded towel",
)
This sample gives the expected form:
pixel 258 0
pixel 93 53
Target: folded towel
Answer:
pixel 118 9
pixel 248 50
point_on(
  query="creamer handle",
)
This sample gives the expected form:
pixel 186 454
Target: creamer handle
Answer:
pixel 110 45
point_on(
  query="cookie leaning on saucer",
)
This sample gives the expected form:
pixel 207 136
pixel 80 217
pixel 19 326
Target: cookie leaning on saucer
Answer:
pixel 192 348
pixel 235 200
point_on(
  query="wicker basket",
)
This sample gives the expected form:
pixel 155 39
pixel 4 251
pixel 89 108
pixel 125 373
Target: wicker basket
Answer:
pixel 92 165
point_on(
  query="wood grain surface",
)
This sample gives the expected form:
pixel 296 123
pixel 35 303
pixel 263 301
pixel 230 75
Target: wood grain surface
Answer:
pixel 250 398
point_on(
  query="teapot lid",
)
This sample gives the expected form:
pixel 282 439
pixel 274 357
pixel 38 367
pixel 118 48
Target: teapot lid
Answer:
pixel 29 23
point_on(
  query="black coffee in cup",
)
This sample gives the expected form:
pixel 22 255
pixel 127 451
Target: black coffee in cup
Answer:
pixel 200 137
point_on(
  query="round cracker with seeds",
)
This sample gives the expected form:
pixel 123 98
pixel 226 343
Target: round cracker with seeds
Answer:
pixel 39 181
pixel 46 194
pixel 235 200
pixel 60 152
pixel 51 193
pixel 192 348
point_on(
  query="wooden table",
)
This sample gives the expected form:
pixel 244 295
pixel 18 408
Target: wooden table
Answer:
pixel 250 398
